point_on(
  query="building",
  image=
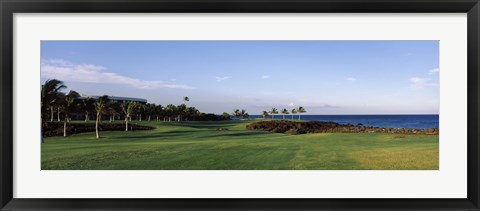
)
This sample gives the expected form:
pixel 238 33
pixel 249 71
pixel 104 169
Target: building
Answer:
pixel 117 99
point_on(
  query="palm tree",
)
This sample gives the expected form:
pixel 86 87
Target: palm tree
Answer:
pixel 300 110
pixel 113 109
pixel 273 111
pixel 170 111
pixel 100 107
pixel 159 110
pixel 181 109
pixel 70 99
pixel 141 109
pixel 49 95
pixel 149 110
pixel 244 114
pixel 264 114
pixel 294 111
pixel 60 104
pixel 191 112
pixel 284 111
pixel 88 105
pixel 236 113
pixel 127 109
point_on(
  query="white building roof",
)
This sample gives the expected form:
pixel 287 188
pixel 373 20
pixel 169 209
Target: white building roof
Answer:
pixel 117 98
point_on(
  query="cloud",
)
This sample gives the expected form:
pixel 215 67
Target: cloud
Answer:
pixel 265 76
pixel 351 79
pixel 89 73
pixel 434 71
pixel 291 104
pixel 323 106
pixel 330 106
pixel 421 83
pixel 218 79
pixel 58 62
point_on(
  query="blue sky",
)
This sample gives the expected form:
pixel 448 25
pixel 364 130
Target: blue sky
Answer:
pixel 325 77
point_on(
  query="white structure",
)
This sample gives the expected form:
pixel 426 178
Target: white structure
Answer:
pixel 118 99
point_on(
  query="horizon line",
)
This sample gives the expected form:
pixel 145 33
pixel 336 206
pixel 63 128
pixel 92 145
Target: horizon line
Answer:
pixel 345 114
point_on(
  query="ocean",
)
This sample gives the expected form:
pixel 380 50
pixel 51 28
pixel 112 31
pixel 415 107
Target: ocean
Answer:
pixel 388 121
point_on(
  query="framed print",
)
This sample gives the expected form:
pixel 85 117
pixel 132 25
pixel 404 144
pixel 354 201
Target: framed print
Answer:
pixel 253 105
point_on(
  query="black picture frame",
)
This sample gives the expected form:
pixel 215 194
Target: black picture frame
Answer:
pixel 10 7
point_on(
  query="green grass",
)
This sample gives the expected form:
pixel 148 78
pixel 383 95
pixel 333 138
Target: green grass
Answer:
pixel 199 145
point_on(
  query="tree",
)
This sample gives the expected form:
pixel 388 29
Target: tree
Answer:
pixel 264 114
pixel 236 113
pixel 88 105
pixel 284 112
pixel 60 104
pixel 191 113
pixel 170 110
pixel 50 92
pixel 273 111
pixel 150 109
pixel 114 109
pixel 181 110
pixel 244 114
pixel 300 110
pixel 225 116
pixel 49 96
pixel 159 111
pixel 127 109
pixel 71 100
pixel 140 109
pixel 100 107
pixel 294 111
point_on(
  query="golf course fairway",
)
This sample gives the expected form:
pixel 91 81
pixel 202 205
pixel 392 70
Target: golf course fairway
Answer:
pixel 228 145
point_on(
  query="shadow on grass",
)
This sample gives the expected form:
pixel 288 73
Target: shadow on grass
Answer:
pixel 189 134
pixel 175 133
pixel 236 134
pixel 206 125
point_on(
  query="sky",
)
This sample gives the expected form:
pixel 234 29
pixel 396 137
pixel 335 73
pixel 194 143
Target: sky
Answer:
pixel 324 77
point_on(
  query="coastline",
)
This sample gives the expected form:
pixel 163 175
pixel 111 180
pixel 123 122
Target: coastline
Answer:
pixel 409 121
pixel 295 128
